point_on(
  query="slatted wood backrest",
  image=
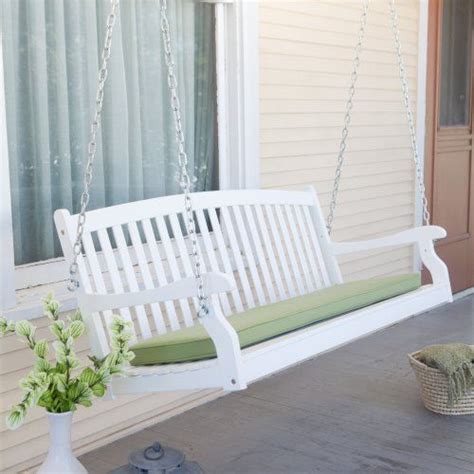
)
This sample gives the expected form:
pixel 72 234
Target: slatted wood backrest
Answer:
pixel 272 242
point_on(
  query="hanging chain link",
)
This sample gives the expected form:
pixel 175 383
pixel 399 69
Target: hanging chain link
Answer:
pixel 185 181
pixel 73 282
pixel 411 122
pixel 347 117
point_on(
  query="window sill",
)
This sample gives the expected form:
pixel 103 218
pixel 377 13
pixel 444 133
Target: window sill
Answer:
pixel 29 304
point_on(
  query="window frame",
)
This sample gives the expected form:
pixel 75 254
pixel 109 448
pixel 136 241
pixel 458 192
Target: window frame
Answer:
pixel 236 33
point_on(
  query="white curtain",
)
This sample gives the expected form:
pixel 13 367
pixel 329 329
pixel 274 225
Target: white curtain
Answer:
pixel 51 54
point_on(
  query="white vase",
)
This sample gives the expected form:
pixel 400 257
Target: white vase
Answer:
pixel 60 458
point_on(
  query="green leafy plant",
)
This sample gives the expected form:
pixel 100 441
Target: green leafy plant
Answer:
pixel 60 385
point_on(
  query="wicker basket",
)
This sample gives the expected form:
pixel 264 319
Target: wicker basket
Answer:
pixel 434 390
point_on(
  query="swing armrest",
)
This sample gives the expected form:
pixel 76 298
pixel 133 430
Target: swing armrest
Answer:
pixel 185 288
pixel 410 236
pixel 422 236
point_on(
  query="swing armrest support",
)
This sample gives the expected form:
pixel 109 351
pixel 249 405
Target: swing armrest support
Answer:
pixel 185 288
pixel 423 237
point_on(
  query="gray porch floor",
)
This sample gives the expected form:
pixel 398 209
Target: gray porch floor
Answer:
pixel 354 410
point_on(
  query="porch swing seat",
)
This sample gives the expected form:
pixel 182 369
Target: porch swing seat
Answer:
pixel 266 322
pixel 271 272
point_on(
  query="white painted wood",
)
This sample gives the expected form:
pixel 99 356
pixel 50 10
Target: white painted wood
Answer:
pixel 184 288
pixel 291 236
pixel 211 254
pixel 315 280
pixel 7 266
pixel 289 250
pixel 262 224
pixel 225 257
pixel 421 108
pixel 175 272
pixel 296 236
pixel 237 62
pixel 243 230
pixel 96 271
pixel 160 272
pixel 145 273
pixel 253 231
pixel 322 244
pixel 184 251
pixel 129 270
pixel 112 269
pixel 402 238
pixel 280 252
pixel 237 254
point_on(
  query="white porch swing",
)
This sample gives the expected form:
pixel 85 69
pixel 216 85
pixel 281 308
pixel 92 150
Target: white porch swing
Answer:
pixel 258 267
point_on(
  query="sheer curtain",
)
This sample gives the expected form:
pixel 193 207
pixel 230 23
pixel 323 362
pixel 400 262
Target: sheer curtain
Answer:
pixel 51 54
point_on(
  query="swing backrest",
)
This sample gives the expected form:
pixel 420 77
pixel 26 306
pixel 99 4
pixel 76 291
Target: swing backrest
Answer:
pixel 274 243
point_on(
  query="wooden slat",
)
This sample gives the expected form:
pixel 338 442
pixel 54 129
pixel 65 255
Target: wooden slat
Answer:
pixel 184 252
pixel 242 230
pixel 159 271
pixel 303 232
pixel 216 228
pixel 96 271
pixel 262 261
pixel 299 247
pixel 262 224
pixel 112 268
pixel 174 268
pixel 146 275
pixel 234 245
pixel 281 256
pixel 130 276
pixel 211 255
pixel 316 246
pixel 285 232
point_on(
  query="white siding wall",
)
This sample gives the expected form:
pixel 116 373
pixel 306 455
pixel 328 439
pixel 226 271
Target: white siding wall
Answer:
pixel 306 54
pixel 306 51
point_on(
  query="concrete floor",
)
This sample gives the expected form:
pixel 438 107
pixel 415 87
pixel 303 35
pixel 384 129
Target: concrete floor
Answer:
pixel 354 410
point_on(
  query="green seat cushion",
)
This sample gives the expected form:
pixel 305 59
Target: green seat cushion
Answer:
pixel 265 322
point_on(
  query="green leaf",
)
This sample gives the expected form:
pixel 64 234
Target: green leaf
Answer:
pixel 41 348
pixel 77 316
pixel 57 329
pixel 6 327
pixel 24 328
pixel 15 418
pixel 51 307
pixel 76 329
pixel 99 390
pixel 86 403
pixel 89 377
pixel 60 350
pixel 42 365
pixel 60 381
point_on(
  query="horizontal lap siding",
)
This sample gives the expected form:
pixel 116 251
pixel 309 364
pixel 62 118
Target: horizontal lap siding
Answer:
pixel 306 54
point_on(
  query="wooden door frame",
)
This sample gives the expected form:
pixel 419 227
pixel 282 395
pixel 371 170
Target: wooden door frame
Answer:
pixel 435 8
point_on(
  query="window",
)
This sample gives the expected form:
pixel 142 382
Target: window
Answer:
pixel 456 63
pixel 51 56
pixel 49 53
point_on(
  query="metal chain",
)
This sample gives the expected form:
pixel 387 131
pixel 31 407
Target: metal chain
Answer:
pixel 411 124
pixel 347 117
pixel 73 282
pixel 185 181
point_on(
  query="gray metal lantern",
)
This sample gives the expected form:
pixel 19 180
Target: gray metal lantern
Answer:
pixel 158 459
